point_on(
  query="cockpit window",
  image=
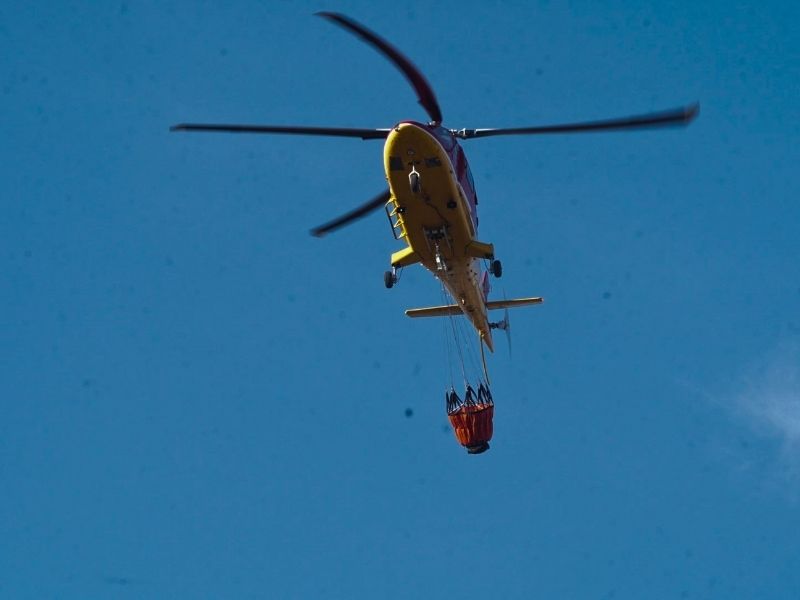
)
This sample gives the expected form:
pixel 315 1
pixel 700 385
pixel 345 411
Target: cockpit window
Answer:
pixel 444 136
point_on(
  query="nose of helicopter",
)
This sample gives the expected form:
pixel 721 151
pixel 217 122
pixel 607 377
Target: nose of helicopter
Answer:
pixel 408 133
pixel 411 143
pixel 405 129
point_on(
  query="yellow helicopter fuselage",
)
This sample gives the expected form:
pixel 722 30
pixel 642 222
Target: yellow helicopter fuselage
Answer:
pixel 433 209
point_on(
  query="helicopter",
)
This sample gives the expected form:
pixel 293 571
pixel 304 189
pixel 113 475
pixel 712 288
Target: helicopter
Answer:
pixel 430 201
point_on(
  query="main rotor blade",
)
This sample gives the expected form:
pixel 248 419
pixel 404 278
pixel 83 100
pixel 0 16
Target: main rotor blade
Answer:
pixel 364 134
pixel 668 118
pixel 353 215
pixel 424 91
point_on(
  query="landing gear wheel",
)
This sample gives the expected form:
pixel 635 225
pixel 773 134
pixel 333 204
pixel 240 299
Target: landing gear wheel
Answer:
pixel 497 268
pixel 389 279
pixel 413 181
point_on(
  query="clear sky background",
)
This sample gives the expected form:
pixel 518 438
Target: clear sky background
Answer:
pixel 199 400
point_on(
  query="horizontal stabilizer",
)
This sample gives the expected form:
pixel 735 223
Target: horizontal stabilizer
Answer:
pixel 434 311
pixel 495 304
pixel 454 309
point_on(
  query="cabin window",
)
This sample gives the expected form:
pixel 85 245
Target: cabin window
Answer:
pixel 469 178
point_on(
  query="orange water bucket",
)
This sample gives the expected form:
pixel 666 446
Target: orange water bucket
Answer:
pixel 472 424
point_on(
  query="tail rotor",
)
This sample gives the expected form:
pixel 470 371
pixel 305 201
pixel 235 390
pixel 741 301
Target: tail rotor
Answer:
pixel 504 325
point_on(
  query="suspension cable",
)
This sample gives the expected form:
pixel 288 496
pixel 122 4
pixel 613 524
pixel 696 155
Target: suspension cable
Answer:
pixel 453 327
pixel 447 344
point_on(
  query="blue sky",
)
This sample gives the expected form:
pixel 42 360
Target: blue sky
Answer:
pixel 201 400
